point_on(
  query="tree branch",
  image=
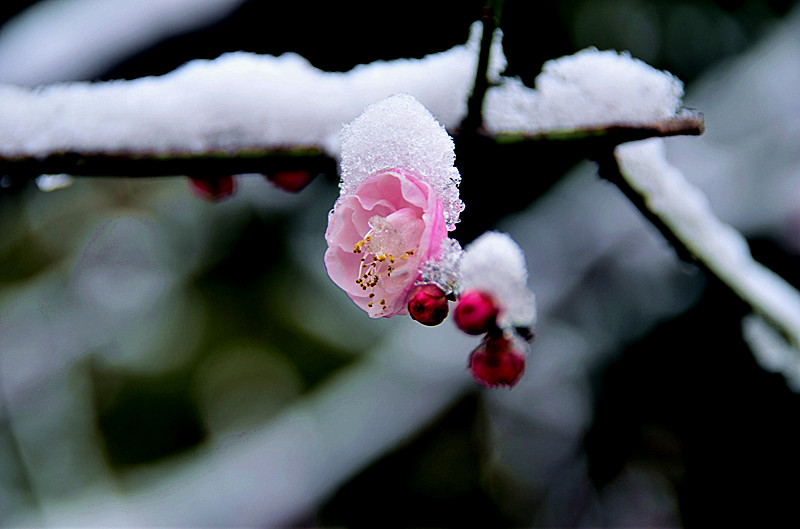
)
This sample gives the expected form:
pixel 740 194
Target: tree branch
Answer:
pixel 608 169
pixel 597 142
pixel 682 212
pixel 689 123
pixel 473 121
pixel 202 164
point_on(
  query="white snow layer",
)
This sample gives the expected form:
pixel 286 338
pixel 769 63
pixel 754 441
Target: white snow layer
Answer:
pixel 235 101
pixel 495 264
pixel 398 132
pixel 444 271
pixel 244 100
pixel 589 88
pixel 687 212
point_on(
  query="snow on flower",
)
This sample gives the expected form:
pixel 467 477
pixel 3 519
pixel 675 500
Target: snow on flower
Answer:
pixel 400 132
pixel 443 271
pixel 399 197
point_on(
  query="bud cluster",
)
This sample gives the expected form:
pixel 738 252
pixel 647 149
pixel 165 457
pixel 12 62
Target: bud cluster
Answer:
pixel 500 358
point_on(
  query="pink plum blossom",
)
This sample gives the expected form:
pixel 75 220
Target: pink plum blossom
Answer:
pixel 379 235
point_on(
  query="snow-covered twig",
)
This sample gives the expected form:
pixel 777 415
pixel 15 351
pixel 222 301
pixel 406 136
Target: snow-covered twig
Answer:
pixel 245 113
pixel 683 213
pixel 237 102
pixel 474 118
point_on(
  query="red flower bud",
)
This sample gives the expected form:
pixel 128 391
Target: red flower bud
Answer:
pixel 428 305
pixel 476 312
pixel 292 181
pixel 497 362
pixel 213 189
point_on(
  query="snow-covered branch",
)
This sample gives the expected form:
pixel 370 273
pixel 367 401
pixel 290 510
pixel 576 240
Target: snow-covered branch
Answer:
pixel 244 112
pixel 684 212
pixel 237 102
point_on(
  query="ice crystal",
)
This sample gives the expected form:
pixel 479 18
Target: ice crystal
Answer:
pixel 443 271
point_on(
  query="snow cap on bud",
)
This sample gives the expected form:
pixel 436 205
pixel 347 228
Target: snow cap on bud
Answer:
pixel 292 181
pixel 495 265
pixel 498 361
pixel 476 312
pixel 213 189
pixel 428 305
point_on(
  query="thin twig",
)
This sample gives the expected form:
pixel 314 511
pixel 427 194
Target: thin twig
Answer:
pixel 690 123
pixel 474 118
pixel 202 164
pixel 609 170
pixel 608 138
pixel 679 211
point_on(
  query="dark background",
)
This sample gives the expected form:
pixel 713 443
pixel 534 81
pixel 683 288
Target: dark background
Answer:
pixel 688 399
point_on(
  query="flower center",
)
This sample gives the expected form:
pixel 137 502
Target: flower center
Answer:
pixel 382 246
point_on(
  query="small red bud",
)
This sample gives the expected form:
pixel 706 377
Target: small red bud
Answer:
pixel 476 312
pixel 213 189
pixel 292 180
pixel 428 305
pixel 497 362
